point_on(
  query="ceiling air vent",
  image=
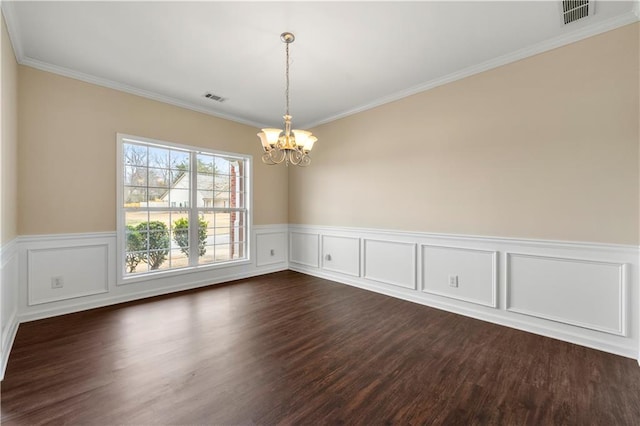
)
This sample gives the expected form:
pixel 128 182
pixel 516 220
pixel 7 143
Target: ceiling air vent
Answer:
pixel 213 97
pixel 573 10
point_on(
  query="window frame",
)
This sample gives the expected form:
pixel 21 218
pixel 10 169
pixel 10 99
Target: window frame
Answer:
pixel 193 209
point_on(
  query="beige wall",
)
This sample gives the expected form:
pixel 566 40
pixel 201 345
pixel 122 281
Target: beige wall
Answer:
pixel 9 145
pixel 546 147
pixel 67 152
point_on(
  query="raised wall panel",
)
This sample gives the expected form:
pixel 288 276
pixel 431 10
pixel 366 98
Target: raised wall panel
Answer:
pixel 341 254
pixel 9 274
pixel 390 262
pixel 83 270
pixel 589 294
pixel 303 249
pixel 476 272
pixel 9 287
pixel 270 248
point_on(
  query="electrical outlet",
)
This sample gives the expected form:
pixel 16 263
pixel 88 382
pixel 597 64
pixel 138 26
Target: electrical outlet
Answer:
pixel 57 282
pixel 453 281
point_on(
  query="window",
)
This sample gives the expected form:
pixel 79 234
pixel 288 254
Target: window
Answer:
pixel 180 207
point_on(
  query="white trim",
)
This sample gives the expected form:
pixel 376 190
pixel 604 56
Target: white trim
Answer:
pixel 121 277
pixel 622 289
pixel 562 40
pixel 323 264
pixel 180 279
pixel 36 314
pixel 121 87
pixel 55 238
pixel 285 248
pixel 13 29
pixel 8 337
pixel 8 254
pixel 291 260
pixel 469 311
pixel 494 276
pixel 542 243
pixel 277 227
pixel 602 253
pixel 554 43
pixel 414 263
pixel 167 273
pixel 626 342
pixel 30 261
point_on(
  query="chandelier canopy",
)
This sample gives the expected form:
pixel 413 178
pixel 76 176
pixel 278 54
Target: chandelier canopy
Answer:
pixel 288 145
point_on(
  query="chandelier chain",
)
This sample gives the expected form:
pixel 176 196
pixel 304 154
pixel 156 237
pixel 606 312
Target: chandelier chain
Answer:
pixel 286 93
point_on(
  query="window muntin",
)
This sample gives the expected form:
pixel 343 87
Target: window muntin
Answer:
pixel 164 189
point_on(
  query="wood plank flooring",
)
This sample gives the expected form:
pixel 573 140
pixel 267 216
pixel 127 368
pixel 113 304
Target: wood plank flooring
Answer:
pixel 287 348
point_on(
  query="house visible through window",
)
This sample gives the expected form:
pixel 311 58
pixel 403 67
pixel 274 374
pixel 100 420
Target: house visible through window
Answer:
pixel 180 206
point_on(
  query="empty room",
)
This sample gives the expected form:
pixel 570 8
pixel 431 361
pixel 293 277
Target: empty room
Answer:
pixel 235 213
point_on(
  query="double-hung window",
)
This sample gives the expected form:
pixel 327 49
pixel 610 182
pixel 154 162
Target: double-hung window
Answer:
pixel 180 207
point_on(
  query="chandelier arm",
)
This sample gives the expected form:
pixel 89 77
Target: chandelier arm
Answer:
pixel 304 161
pixel 266 159
pixel 295 157
pixel 278 155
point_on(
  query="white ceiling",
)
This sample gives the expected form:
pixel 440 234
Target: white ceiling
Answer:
pixel 347 57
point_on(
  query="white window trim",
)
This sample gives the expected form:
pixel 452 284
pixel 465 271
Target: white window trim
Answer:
pixel 122 279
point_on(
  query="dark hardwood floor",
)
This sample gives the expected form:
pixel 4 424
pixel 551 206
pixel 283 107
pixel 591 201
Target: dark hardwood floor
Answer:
pixel 287 348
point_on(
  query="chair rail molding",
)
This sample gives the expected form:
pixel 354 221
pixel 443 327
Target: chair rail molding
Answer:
pixel 44 257
pixel 583 293
pixel 489 278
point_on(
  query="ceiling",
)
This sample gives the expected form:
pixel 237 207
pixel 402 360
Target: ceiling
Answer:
pixel 347 57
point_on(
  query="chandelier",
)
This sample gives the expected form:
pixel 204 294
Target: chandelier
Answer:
pixel 288 145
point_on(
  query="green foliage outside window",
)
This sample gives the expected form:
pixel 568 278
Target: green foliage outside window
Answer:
pixel 181 235
pixel 147 242
pixel 135 245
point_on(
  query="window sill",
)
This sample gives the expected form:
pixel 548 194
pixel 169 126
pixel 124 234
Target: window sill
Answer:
pixel 149 276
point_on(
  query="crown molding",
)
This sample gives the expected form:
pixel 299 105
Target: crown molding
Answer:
pixel 554 43
pixel 87 78
pixel 12 28
pixel 572 37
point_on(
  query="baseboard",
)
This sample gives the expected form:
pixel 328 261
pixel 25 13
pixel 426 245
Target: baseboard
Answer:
pixel 627 351
pixel 8 337
pixel 9 300
pixel 494 274
pixel 78 306
pixel 582 293
pixel 95 284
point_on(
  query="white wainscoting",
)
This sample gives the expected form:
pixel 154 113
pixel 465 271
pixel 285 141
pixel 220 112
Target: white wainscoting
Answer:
pixel 8 301
pixel 544 287
pixel 589 294
pixel 341 254
pixel 81 270
pixel 390 262
pixel 582 293
pixel 475 273
pixel 304 248
pixel 87 265
pixel 271 248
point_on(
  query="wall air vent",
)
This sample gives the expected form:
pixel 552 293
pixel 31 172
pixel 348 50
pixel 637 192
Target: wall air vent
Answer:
pixel 573 10
pixel 213 97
